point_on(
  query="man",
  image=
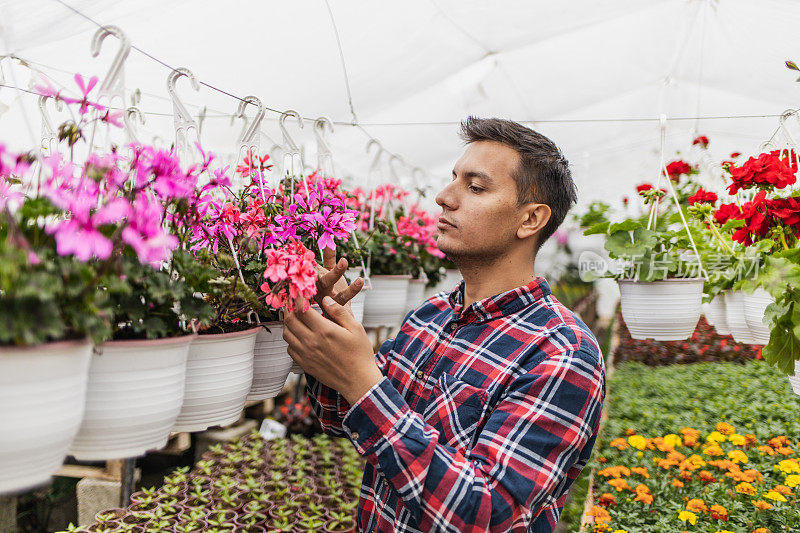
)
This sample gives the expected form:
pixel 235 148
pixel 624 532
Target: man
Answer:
pixel 483 410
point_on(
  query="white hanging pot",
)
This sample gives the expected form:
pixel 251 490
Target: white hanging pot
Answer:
pixel 754 306
pixel 666 310
pixel 795 380
pixel 357 304
pixel 715 314
pixel 271 362
pixel 416 294
pixel 385 304
pixel 134 395
pixel 734 315
pixel 219 373
pixel 42 398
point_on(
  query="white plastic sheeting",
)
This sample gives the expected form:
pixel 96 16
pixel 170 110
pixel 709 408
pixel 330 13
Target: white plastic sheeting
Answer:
pixel 568 66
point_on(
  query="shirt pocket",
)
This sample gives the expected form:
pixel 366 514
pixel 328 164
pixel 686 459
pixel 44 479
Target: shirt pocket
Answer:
pixel 455 410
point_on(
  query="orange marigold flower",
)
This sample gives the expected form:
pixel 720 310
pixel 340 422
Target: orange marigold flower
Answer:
pixel 713 450
pixel 690 440
pixel 689 431
pixel 641 487
pixel 619 484
pixel 750 439
pixel 599 514
pixel 697 505
pixel 677 483
pixel 630 431
pixel 725 428
pixel 607 499
pixel 745 488
pixel 686 476
pixel 644 497
pixel 761 530
pixel 666 463
pixel 615 471
pixel 783 489
pixel 718 512
pixel 642 471
pixel 784 450
pixel 602 459
pixel 619 443
pixel 706 476
pixel 767 450
pixel 761 505
pixel 676 456
pixel 780 440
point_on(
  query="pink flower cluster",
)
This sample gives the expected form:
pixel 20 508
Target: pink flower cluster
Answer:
pixel 420 227
pixel 292 269
pixel 317 213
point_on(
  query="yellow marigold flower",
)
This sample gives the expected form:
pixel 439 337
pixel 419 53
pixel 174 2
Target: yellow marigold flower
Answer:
pixel 745 488
pixel 737 440
pixel 725 428
pixel 723 531
pixel 792 480
pixel 783 489
pixel 642 471
pixel 620 531
pixel 697 460
pixel 677 483
pixel 761 505
pixel 697 505
pixel 716 436
pixel 737 456
pixel 775 496
pixel 673 440
pixel 789 466
pixel 619 443
pixel 688 516
pixel 638 442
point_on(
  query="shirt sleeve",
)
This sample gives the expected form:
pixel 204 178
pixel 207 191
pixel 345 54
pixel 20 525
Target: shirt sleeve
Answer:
pixel 520 459
pixel 330 406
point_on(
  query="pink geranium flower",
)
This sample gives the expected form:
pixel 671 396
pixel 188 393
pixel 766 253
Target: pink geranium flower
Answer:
pixel 293 272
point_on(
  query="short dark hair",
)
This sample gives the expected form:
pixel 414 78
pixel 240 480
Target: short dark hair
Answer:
pixel 543 174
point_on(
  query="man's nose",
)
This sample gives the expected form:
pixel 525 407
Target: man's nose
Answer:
pixel 446 198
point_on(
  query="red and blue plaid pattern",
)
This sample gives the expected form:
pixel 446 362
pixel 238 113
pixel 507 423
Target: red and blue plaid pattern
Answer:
pixel 485 416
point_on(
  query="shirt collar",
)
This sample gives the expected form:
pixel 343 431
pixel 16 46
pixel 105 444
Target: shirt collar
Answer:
pixel 499 305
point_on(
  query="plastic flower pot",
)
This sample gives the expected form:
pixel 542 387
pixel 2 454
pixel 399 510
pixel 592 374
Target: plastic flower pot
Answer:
pixel 755 304
pixel 734 315
pixel 134 395
pixel 336 526
pixel 42 398
pixel 794 380
pixel 271 363
pixel 666 310
pixel 385 304
pixel 715 315
pixel 415 295
pixel 219 372
pixel 111 515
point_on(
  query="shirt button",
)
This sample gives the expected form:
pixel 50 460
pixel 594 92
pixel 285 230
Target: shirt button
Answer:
pixel 453 326
pixel 420 373
pixel 355 435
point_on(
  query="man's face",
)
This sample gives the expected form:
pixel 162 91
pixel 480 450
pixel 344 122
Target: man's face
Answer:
pixel 480 216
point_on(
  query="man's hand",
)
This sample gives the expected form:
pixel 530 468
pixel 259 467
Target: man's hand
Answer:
pixel 331 282
pixel 337 351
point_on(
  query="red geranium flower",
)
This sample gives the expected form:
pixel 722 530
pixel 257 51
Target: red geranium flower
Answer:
pixel 769 169
pixel 643 187
pixel 702 196
pixel 734 155
pixel 726 212
pixel 702 141
pixel 757 220
pixel 676 168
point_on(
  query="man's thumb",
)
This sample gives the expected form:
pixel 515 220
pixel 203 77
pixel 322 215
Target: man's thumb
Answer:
pixel 338 313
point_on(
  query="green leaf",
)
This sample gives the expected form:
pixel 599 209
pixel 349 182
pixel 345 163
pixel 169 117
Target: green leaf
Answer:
pixel 791 65
pixel 602 227
pixel 625 225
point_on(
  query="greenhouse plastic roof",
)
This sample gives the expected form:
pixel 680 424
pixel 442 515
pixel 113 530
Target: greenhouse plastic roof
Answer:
pixel 593 76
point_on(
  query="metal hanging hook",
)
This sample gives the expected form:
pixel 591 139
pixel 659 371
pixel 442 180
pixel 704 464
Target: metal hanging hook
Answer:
pixel 130 129
pixel 113 85
pixel 183 119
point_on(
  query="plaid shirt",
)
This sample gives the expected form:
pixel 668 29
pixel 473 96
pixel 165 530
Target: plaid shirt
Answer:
pixel 485 416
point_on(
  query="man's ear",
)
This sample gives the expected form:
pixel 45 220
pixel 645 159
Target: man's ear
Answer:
pixel 536 217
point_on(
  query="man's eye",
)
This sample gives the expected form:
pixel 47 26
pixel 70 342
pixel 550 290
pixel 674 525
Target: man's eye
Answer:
pixel 475 189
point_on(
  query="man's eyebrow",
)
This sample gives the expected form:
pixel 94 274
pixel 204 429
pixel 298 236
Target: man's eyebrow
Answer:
pixel 476 174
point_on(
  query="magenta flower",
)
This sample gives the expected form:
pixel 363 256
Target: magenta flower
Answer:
pixel 145 233
pixel 85 89
pixel 83 241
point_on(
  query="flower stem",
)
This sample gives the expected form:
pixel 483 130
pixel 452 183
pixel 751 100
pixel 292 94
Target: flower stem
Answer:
pixel 716 234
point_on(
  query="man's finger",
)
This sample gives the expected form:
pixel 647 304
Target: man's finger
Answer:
pixel 328 258
pixel 339 314
pixel 327 280
pixel 350 292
